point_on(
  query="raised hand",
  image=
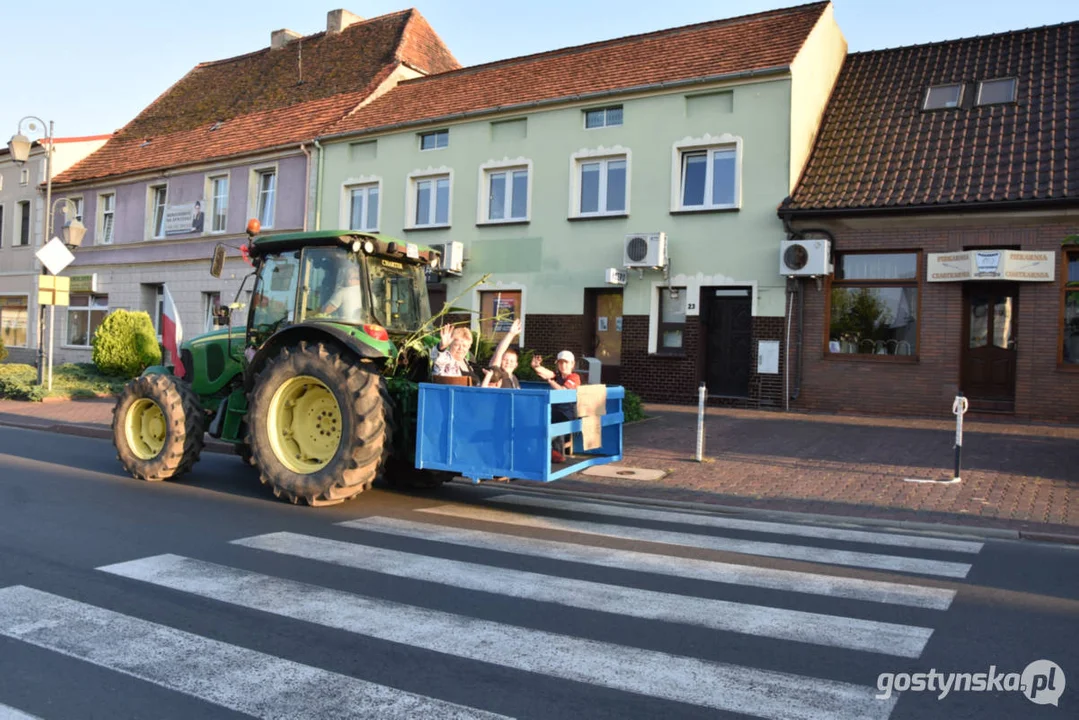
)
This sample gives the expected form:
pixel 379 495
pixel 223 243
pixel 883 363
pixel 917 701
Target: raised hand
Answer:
pixel 446 335
pixel 515 327
pixel 537 360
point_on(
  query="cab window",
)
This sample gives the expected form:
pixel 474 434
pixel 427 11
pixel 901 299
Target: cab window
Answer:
pixel 274 299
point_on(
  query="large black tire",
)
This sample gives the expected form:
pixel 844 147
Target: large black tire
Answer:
pixel 365 439
pixel 178 430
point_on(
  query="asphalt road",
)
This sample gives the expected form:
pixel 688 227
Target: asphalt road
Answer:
pixel 209 598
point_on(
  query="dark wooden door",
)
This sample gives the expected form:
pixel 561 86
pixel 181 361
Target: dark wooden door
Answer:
pixel 728 328
pixel 604 335
pixel 990 333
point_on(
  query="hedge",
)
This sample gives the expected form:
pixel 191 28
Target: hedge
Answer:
pixel 126 344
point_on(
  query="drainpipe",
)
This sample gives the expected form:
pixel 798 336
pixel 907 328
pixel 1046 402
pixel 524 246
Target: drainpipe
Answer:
pixel 318 188
pixel 306 184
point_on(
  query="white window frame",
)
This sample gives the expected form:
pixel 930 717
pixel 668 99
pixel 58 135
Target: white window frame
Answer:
pixel 22 206
pixel 416 177
pixel 604 155
pixel 24 177
pixel 522 313
pixel 483 205
pixel 3 219
pixel 99 226
pixel 208 301
pixel 29 317
pixel 958 103
pixel 606 109
pixel 708 143
pixel 80 207
pixel 1015 90
pixel 255 192
pixel 444 132
pixel 151 215
pixel 365 182
pixel 87 309
pixel 211 180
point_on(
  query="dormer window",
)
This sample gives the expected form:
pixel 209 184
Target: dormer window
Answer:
pixel 435 140
pixel 994 92
pixel 940 97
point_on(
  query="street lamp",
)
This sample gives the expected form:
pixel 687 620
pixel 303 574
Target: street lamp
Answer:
pixel 19 146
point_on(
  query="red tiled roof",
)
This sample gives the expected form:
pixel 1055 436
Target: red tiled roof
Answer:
pixel 877 148
pixel 752 42
pixel 258 101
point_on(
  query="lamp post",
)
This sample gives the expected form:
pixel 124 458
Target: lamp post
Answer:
pixel 19 146
pixel 72 234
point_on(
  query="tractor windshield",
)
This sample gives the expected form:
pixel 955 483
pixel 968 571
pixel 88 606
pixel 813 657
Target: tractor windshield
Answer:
pixel 398 294
pixel 332 286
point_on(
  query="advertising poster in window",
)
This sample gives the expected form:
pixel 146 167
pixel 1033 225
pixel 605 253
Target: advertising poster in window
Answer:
pixel 185 219
pixel 498 310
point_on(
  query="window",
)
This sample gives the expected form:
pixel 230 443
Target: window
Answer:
pixel 672 320
pixel 498 310
pixel 158 197
pixel 77 203
pixel 84 316
pixel 13 320
pixel 435 140
pixel 219 203
pixel 506 194
pixel 602 185
pixel 274 299
pixel 432 201
pixel 1070 301
pixel 943 96
pixel 1 226
pixel 992 92
pixel 106 205
pixel 709 179
pixel 24 223
pixel 363 208
pixel 874 305
pixel 603 117
pixel 24 176
pixel 267 190
pixel 211 301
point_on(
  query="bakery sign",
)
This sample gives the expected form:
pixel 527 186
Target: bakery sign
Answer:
pixel 1014 265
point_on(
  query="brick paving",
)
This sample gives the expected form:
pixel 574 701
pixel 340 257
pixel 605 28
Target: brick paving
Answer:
pixel 1015 475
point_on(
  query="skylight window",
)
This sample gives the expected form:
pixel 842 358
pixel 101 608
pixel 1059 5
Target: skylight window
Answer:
pixel 993 92
pixel 943 96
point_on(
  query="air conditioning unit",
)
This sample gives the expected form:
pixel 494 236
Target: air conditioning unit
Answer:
pixel 805 258
pixel 453 257
pixel 645 250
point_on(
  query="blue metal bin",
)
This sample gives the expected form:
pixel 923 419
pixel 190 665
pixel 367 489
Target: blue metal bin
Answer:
pixel 483 433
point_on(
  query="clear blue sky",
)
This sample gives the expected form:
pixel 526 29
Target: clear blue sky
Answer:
pixel 91 67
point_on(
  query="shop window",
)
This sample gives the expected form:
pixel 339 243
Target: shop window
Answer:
pixel 13 320
pixel 874 305
pixel 84 316
pixel 672 320
pixel 498 310
pixel 1070 301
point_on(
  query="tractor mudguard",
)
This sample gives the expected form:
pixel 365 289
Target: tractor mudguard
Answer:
pixel 348 336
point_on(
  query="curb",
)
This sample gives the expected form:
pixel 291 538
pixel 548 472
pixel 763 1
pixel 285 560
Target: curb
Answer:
pixel 804 518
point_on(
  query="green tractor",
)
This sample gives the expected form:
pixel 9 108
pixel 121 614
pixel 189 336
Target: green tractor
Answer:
pixel 302 391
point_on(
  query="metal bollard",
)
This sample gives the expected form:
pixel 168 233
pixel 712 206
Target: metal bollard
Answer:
pixel 700 421
pixel 959 409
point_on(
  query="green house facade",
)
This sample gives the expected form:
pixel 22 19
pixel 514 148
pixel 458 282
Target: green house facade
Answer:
pixel 620 197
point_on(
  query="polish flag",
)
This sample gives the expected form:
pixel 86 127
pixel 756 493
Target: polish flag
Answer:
pixel 172 332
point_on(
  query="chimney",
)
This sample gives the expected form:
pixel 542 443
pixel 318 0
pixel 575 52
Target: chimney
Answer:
pixel 279 38
pixel 338 20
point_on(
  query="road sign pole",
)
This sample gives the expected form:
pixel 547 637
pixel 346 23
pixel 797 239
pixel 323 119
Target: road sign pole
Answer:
pixel 52 333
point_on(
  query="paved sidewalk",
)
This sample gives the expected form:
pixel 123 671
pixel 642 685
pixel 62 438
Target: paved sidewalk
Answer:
pixel 1016 476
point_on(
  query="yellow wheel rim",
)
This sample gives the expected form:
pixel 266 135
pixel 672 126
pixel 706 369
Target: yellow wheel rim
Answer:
pixel 145 429
pixel 304 424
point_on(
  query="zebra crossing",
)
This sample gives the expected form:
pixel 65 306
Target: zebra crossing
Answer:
pixel 586 541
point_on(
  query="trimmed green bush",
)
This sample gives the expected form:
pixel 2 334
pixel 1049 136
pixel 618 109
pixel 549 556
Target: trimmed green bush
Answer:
pixel 126 344
pixel 18 382
pixel 3 351
pixel 632 408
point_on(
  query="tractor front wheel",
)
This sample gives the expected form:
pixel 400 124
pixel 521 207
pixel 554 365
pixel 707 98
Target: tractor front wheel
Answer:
pixel 157 427
pixel 317 427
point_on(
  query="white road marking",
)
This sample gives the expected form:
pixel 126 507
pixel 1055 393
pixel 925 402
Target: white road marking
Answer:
pixel 722 686
pixel 718 521
pixel 748 547
pixel 9 713
pixel 797 626
pixel 878 591
pixel 233 677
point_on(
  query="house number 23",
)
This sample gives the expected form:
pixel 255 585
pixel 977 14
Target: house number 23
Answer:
pixel 691 306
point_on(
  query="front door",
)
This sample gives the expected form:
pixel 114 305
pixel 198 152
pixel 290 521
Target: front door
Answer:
pixel 605 334
pixel 990 331
pixel 727 316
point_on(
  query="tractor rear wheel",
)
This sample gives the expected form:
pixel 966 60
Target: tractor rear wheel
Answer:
pixel 157 427
pixel 318 427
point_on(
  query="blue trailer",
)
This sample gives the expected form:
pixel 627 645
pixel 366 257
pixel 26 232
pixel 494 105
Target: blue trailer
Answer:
pixel 484 433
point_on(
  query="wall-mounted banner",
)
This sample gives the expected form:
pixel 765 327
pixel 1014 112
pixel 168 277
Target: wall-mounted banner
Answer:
pixel 1014 265
pixel 184 219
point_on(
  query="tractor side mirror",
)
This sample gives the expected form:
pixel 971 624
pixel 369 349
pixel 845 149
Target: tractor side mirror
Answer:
pixel 218 261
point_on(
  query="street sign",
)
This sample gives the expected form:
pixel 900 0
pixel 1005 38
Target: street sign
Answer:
pixel 55 256
pixel 54 290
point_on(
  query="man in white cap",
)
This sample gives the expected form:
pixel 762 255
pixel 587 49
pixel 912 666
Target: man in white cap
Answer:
pixel 563 379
